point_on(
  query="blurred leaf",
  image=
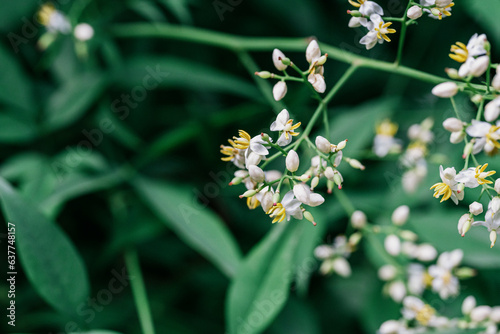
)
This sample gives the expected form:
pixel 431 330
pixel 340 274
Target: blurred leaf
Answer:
pixel 357 124
pixel 199 227
pixel 147 10
pixel 261 286
pixel 96 331
pixel 485 13
pixel 439 227
pixel 288 322
pixel 48 257
pixel 17 13
pixel 455 331
pixel 16 86
pixel 72 100
pixel 375 251
pixel 14 130
pixel 179 9
pixel 171 72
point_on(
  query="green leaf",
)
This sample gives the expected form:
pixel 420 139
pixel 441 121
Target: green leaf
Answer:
pixel 72 100
pixel 15 130
pixel 96 331
pixel 171 72
pixel 261 286
pixel 179 9
pixel 48 257
pixel 485 13
pixel 347 124
pixel 199 227
pixel 16 87
pixel 439 227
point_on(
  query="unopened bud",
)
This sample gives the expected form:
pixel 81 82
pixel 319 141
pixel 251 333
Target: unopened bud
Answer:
pixel 329 173
pixel 314 182
pixel 355 164
pixel 235 181
pixel 445 89
pixel 400 215
pixel 414 12
pixel 497 186
pixel 263 74
pixel 341 145
pixel 323 145
pixel 480 313
pixel 341 267
pixel 452 73
pixel 408 235
pixel 83 32
pixel 354 13
pixel 355 238
pixel 249 193
pixel 436 12
pixel 292 161
pixel 468 304
pixel 464 224
pixel 277 60
pixel 312 52
pixel 465 272
pixel 476 99
pixel 476 208
pixel 256 173
pixel 493 238
pixel 305 177
pixel 265 137
pixel 492 110
pixel 279 90
pixel 479 66
pixel 276 197
pixel 426 253
pixel 329 186
pixel 457 137
pixel 443 3
pixel 358 219
pixel 392 245
pixel 453 124
pixel 337 178
pixel 495 204
pixel 322 60
pixel 460 187
pixel 338 159
pixel 468 149
pixel 309 216
pixel 495 82
pixel 387 272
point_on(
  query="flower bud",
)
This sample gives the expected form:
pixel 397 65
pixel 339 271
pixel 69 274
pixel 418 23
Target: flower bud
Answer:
pixel 480 313
pixel 426 253
pixel 83 32
pixel 436 12
pixel 323 145
pixel 414 12
pixel 497 186
pixel 460 187
pixel 479 66
pixel 354 13
pixel 317 81
pixel 276 197
pixel 468 149
pixel 337 178
pixel 253 159
pixel 464 224
pixel 305 177
pixel 397 291
pixel 235 181
pixel 475 208
pixel 263 74
pixel 495 204
pixel 390 327
pixel 341 145
pixel 457 137
pixel 323 252
pixel 387 272
pixel 445 89
pixel 492 110
pixel 452 73
pixel 313 52
pixel 355 164
pixel 495 314
pixel 338 159
pixel 468 305
pixel 392 245
pixel 286 61
pixel 314 182
pixel 453 124
pixel 329 186
pixel 495 82
pixel 493 238
pixel 277 56
pixel 279 90
pixel 341 267
pixel 476 99
pixel 464 272
pixel 329 173
pixel 256 173
pixel 267 201
pixel 249 193
pixel 355 238
pixel 408 235
pixel 309 217
pixel 358 219
pixel 400 215
pixel 292 161
pixel 322 60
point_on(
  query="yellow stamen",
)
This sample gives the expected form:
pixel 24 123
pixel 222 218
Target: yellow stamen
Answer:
pixel 252 202
pixel 481 175
pixel 460 52
pixel 425 314
pixel 356 4
pixel 243 141
pixel 277 212
pixel 427 280
pixel 382 31
pixel 45 12
pixel 386 128
pixel 492 137
pixel 442 189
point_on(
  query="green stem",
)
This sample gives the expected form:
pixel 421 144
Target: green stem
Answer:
pixel 345 202
pixel 326 122
pixel 402 36
pixel 139 292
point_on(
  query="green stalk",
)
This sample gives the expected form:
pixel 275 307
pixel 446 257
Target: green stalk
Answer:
pixel 402 36
pixel 139 292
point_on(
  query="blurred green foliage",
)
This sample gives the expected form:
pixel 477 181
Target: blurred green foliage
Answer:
pixel 119 150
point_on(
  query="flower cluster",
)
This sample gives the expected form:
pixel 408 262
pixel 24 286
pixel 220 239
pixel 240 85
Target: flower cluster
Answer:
pixel 56 23
pixel 334 257
pixel 313 75
pixel 418 316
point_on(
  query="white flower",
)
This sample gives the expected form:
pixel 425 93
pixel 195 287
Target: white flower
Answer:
pixel 303 193
pixel 400 215
pixel 449 187
pixel 265 197
pixel 313 52
pixel 437 12
pixel 453 124
pixel 324 252
pixel 495 82
pixel 415 308
pixel 414 12
pixel 358 218
pixel 476 208
pixel 445 89
pixel 468 304
pixel 387 272
pixel 444 282
pixel 426 253
pixel 277 56
pixel 53 20
pixel 383 145
pixel 287 208
pixel 417 278
pixel 478 66
pixel 393 327
pixel 292 161
pixel 283 123
pixel 279 90
pixel 392 244
pixel 367 8
pixel 480 313
pixel 464 224
pixel 486 135
pixel 83 32
pixel 273 175
pixel 492 110
pixel 323 145
pixel 377 32
pixel 397 291
pixel 497 186
pixel 494 204
pixel 317 81
pixel 492 223
pixel 468 178
pixel 256 173
pixel 471 55
pixel 341 266
pixel 355 22
pixel 495 314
